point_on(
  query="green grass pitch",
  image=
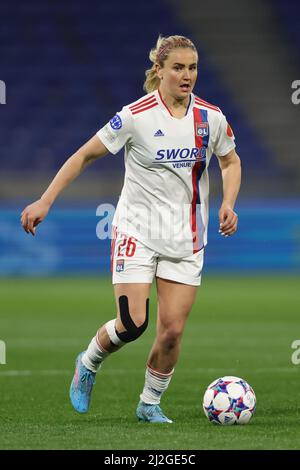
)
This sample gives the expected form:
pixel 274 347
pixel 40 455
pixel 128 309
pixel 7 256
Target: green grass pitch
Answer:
pixel 238 326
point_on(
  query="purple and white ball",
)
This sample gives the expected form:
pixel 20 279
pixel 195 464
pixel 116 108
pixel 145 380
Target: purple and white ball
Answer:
pixel 229 400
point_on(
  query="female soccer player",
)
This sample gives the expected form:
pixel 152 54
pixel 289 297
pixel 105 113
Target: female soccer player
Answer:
pixel 160 225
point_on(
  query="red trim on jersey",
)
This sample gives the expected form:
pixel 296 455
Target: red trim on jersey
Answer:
pixel 207 106
pixel 142 103
pixel 140 110
pixel 229 131
pixel 136 108
pixel 202 102
pixel 196 189
pixel 113 244
pixel 206 102
pixel 164 103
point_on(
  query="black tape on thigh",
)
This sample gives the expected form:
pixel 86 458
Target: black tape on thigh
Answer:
pixel 132 331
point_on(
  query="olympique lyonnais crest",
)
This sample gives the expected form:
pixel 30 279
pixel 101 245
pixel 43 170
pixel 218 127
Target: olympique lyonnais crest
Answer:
pixel 119 265
pixel 202 129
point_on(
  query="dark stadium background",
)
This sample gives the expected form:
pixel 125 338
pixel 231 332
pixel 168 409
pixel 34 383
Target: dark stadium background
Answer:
pixel 68 67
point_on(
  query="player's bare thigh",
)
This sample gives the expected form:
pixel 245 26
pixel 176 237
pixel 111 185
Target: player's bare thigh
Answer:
pixel 137 294
pixel 175 301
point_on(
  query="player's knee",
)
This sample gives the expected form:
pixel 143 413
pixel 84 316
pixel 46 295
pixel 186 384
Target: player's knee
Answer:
pixel 133 328
pixel 127 329
pixel 171 337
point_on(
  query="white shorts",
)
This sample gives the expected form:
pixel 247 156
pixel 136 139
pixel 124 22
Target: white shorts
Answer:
pixel 132 261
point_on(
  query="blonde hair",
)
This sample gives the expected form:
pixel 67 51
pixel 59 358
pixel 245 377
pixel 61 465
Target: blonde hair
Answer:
pixel 159 54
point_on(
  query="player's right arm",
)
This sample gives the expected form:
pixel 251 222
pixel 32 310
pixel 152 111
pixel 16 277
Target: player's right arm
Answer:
pixel 35 213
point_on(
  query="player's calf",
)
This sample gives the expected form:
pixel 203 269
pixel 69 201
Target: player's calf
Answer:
pixel 89 362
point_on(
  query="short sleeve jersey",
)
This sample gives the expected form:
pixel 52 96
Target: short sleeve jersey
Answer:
pixel 164 200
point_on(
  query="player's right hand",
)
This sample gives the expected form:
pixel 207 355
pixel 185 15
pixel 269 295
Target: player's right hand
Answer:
pixel 33 215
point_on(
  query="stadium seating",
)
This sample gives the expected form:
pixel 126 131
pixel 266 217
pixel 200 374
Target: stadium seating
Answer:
pixel 69 69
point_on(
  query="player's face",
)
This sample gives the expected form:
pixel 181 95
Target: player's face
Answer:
pixel 179 73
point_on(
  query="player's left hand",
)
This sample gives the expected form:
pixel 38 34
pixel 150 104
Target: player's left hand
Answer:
pixel 228 220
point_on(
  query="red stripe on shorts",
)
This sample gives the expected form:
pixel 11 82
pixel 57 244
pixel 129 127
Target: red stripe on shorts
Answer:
pixel 113 244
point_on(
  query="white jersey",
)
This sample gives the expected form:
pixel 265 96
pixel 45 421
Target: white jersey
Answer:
pixel 164 200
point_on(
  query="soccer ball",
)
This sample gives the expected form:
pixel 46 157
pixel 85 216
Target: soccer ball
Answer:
pixel 229 400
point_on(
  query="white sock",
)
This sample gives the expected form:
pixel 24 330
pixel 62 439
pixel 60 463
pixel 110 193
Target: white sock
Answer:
pixel 155 385
pixel 94 355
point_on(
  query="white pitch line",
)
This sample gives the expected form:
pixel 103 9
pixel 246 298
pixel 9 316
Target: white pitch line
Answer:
pixel 25 373
pixel 28 373
pixel 247 370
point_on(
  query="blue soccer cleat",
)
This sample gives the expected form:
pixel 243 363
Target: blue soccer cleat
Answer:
pixel 81 386
pixel 151 413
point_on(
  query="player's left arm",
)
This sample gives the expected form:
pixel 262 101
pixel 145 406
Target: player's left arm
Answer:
pixel 230 166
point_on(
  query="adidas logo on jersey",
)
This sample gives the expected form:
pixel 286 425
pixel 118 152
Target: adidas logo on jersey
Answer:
pixel 159 133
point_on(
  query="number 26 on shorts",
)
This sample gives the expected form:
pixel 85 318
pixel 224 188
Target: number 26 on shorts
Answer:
pixel 129 243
